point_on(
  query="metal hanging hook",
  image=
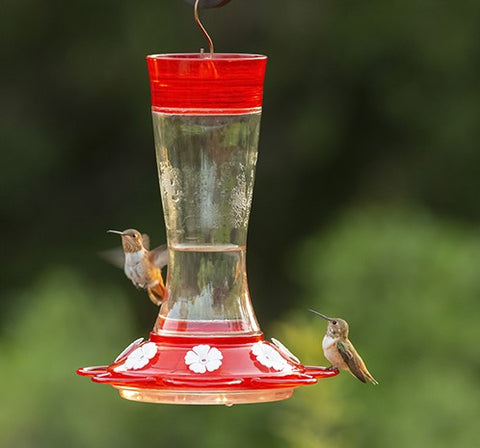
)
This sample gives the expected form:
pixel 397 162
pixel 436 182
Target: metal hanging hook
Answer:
pixel 202 28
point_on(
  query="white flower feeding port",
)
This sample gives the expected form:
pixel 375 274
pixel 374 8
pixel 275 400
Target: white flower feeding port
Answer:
pixel 138 358
pixel 269 357
pixel 206 346
pixel 203 358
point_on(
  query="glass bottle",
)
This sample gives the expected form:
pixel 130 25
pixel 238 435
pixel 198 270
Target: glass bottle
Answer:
pixel 206 120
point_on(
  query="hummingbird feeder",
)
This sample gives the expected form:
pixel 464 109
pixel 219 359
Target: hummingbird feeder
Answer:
pixel 206 346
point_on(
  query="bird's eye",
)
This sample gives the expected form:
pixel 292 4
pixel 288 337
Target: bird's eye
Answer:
pixel 134 235
pixel 334 322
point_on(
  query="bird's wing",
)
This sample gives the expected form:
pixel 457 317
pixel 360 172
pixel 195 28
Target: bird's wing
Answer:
pixel 351 360
pixel 114 256
pixel 146 241
pixel 159 256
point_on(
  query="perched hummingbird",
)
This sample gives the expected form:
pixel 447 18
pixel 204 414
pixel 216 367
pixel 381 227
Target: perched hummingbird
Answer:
pixel 141 265
pixel 341 353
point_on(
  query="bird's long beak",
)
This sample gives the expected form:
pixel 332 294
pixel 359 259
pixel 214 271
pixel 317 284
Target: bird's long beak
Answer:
pixel 115 231
pixel 319 314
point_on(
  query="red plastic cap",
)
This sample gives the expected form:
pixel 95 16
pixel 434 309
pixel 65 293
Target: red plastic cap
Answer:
pixel 201 84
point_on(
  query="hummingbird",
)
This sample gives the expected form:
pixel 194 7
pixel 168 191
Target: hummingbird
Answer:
pixel 141 265
pixel 341 353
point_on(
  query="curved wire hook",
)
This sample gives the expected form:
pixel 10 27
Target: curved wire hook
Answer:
pixel 202 28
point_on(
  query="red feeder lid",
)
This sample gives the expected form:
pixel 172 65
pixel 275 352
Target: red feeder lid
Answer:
pixel 202 84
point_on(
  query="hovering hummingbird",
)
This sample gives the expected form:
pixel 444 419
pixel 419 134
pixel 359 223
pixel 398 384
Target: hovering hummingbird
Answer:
pixel 341 353
pixel 141 265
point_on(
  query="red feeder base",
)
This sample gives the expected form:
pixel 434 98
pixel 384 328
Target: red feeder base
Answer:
pixel 208 370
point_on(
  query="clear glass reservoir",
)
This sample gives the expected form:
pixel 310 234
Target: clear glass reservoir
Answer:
pixel 206 166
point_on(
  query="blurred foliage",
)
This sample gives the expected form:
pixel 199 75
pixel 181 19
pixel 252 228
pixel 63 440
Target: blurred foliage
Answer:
pixel 67 324
pixel 404 281
pixel 365 103
pixel 409 287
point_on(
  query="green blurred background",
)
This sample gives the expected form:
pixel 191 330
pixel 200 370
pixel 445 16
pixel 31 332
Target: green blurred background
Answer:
pixel 366 206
